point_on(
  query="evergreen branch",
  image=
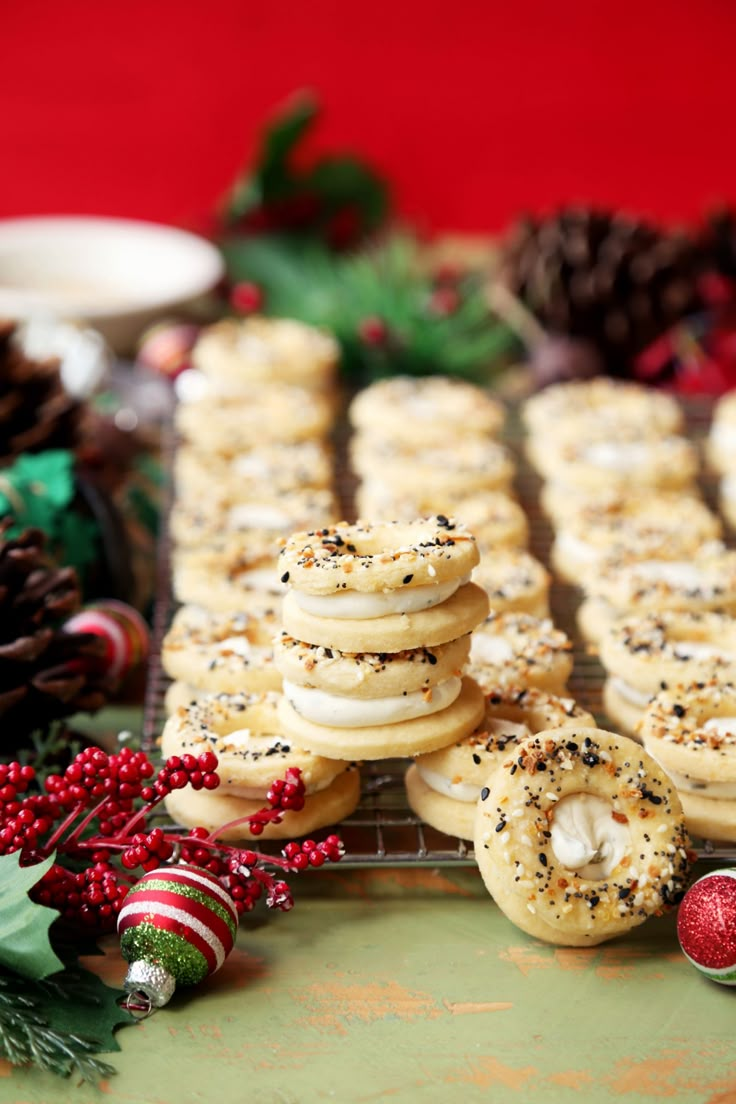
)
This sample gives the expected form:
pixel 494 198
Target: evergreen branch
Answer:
pixel 26 1036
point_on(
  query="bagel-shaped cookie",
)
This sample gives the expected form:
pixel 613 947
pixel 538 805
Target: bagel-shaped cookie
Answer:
pixel 563 504
pixel 230 586
pixel 213 809
pixel 494 518
pixel 514 582
pixel 703 581
pixel 443 786
pixel 516 649
pixel 390 560
pixel 244 732
pixel 276 468
pixel 194 522
pixel 643 529
pixel 457 615
pixel 720 446
pixel 271 414
pixel 259 350
pixel 604 403
pixel 368 674
pixel 590 461
pixel 464 467
pixel 580 836
pixel 691 731
pixel 385 741
pixel 643 655
pixel 221 652
pixel 425 410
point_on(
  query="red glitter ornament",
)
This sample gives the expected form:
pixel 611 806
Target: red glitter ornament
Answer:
pixel 706 926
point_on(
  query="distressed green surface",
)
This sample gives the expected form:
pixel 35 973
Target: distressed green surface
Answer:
pixel 410 986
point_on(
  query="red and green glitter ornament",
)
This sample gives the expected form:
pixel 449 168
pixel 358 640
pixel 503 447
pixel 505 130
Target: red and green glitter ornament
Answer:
pixel 706 926
pixel 177 926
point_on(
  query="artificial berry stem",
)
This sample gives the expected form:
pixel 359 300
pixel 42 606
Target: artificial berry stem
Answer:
pixel 97 794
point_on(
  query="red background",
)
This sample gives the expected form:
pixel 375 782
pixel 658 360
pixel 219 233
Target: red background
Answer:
pixel 475 109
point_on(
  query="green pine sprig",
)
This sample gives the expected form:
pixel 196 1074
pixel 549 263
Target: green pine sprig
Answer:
pixel 26 1036
pixel 340 291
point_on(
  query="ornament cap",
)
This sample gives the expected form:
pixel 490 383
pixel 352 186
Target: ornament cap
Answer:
pixel 148 986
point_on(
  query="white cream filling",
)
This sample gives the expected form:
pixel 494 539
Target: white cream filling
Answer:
pixel 575 548
pixel 723 435
pixel 675 573
pixel 239 645
pixel 458 791
pixel 728 487
pixel 258 515
pixel 493 650
pixel 361 605
pixel 696 649
pixel 630 693
pixel 262 579
pixel 586 838
pixel 345 712
pixel 688 784
pixel 617 455
pixel 721 726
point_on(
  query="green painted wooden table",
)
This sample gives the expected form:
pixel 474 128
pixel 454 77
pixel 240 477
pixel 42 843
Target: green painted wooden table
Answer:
pixel 409 985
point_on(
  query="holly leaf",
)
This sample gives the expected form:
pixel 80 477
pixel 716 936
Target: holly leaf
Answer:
pixel 24 925
pixel 77 1002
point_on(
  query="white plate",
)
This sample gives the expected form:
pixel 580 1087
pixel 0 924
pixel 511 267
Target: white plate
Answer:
pixel 119 274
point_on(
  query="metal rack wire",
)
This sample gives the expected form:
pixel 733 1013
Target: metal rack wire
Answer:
pixel 383 830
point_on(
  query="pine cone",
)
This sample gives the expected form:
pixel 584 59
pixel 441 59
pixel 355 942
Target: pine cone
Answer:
pixel 45 673
pixel 36 413
pixel 616 282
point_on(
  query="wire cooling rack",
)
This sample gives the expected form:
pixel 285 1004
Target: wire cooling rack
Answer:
pixel 383 830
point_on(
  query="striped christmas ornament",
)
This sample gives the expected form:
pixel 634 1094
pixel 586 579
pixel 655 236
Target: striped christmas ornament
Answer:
pixel 178 925
pixel 706 925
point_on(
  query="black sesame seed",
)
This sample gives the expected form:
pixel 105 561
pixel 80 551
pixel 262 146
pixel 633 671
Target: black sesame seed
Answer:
pixel 542 858
pixel 679 710
pixel 624 892
pixel 590 759
pixel 408 579
pixel 484 793
pixel 285 577
pixel 476 759
pixel 501 825
pixel 594 901
pixel 571 745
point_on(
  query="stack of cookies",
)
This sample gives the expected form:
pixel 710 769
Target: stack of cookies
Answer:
pixel 253 463
pixel 429 445
pixel 376 632
pixel 659 586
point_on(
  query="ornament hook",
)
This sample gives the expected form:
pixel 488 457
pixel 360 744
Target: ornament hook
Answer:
pixel 139 1004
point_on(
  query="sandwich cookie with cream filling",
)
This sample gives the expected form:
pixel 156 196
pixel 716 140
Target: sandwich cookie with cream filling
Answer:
pixel 425 410
pixel 588 461
pixel 581 836
pixel 260 351
pixel 495 519
pixel 195 521
pixel 211 653
pixel 643 528
pixel 516 649
pixel 458 467
pixel 643 655
pixel 258 415
pixel 515 582
pixel 243 732
pixel 381 588
pixel 620 587
pixel 691 731
pixel 262 473
pixel 443 786
pixel 603 404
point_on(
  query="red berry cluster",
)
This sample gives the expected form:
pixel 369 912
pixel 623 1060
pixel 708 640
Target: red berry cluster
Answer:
pixel 95 813
pixel 309 853
pixel 185 770
pixel 92 897
pixel 147 850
